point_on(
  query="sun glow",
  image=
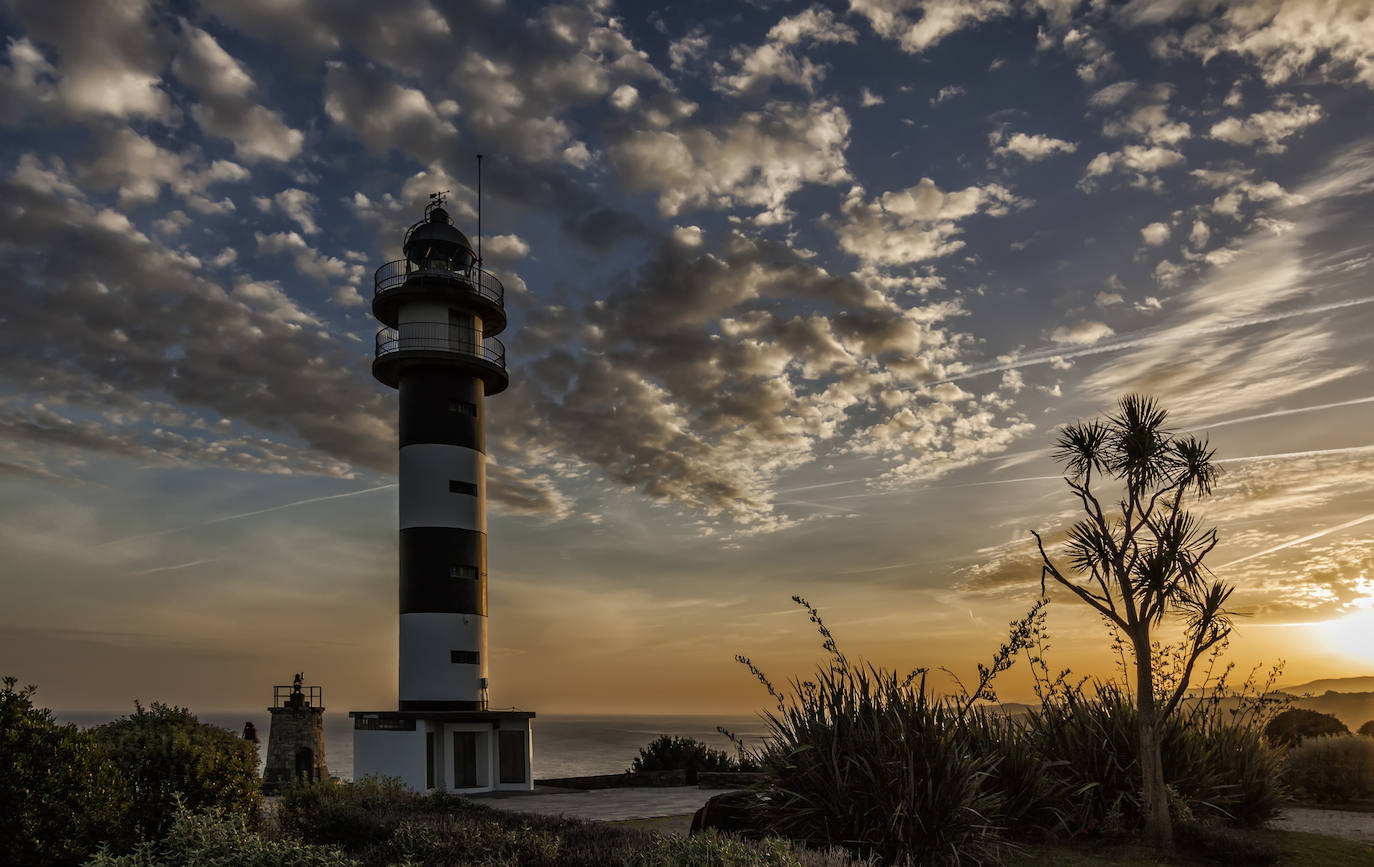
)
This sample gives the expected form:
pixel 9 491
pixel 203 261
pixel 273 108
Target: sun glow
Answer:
pixel 1352 636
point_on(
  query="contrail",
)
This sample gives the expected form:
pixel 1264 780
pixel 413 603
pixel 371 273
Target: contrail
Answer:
pixel 241 515
pixel 1045 356
pixel 171 568
pixel 1282 412
pixel 1313 453
pixel 1308 538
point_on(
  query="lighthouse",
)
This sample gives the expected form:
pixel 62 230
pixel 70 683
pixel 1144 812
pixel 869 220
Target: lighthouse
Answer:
pixel 441 313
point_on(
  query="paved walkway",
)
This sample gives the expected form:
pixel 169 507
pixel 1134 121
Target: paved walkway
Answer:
pixel 1337 823
pixel 609 804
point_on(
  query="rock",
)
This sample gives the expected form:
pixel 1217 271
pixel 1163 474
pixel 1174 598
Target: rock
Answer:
pixel 733 812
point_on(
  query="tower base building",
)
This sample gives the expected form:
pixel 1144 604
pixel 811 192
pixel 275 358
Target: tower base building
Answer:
pixel 295 743
pixel 441 312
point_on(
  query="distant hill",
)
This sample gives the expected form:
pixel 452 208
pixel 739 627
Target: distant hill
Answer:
pixel 1352 708
pixel 1332 684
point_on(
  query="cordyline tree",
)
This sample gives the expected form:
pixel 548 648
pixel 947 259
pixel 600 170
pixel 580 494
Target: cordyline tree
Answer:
pixel 1139 561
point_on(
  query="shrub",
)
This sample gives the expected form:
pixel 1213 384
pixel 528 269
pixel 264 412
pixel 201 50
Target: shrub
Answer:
pixel 667 753
pixel 165 751
pixel 1225 845
pixel 1367 730
pixel 353 815
pixel 872 762
pixel 213 838
pixel 1216 769
pixel 1295 724
pixel 1338 768
pixel 716 850
pixel 60 796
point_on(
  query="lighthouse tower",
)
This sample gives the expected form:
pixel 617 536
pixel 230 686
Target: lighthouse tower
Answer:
pixel 438 348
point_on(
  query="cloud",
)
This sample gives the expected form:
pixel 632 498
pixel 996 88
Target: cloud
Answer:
pixel 226 108
pixel 1140 162
pixel 776 59
pixel 1330 40
pixel 299 205
pixel 1031 148
pixel 139 169
pixel 109 59
pixel 1155 234
pixel 938 18
pixel 1083 333
pixel 947 93
pixel 868 99
pixel 1267 128
pixel 759 159
pixel 903 227
pixel 385 114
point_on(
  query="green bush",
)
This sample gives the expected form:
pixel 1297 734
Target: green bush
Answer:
pixel 1225 845
pixel 1296 724
pixel 718 850
pixel 352 815
pixel 667 753
pixel 872 762
pixel 165 751
pixel 217 839
pixel 1338 768
pixel 1216 769
pixel 60 796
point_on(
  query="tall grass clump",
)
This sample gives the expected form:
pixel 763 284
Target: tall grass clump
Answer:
pixel 1217 764
pixel 1336 769
pixel 864 758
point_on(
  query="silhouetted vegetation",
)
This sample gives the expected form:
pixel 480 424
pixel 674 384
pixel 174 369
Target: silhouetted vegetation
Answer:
pixel 60 795
pixel 166 754
pixel 1336 768
pixel 864 758
pixel 1296 724
pixel 669 753
pixel 1143 565
pixel 1367 730
pixel 213 837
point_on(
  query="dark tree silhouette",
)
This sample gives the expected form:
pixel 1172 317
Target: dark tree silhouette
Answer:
pixel 1290 727
pixel 1141 561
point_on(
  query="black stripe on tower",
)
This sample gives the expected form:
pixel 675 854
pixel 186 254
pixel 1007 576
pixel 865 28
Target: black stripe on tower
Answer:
pixel 443 570
pixel 441 406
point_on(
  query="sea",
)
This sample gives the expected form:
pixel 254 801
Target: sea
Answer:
pixel 565 745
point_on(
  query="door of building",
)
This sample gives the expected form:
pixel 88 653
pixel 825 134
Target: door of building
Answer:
pixel 512 745
pixel 464 760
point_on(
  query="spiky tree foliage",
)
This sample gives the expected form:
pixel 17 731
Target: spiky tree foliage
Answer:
pixel 1139 563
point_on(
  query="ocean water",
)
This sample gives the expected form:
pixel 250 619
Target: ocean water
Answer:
pixel 565 745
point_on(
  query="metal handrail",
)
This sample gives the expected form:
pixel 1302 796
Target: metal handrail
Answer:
pixel 396 273
pixel 439 337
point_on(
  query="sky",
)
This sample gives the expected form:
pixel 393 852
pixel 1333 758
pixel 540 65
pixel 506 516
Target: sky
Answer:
pixel 799 294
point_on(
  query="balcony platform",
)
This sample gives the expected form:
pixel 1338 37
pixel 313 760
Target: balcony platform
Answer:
pixel 435 344
pixel 471 288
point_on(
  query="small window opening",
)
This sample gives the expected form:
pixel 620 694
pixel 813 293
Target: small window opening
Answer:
pixel 466 657
pixel 462 572
pixel 457 487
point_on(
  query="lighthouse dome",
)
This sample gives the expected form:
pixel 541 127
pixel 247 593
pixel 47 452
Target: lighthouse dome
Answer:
pixel 436 238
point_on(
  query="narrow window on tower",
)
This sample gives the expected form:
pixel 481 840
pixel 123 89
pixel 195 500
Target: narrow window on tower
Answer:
pixel 466 657
pixel 463 572
pixel 457 487
pixel 462 407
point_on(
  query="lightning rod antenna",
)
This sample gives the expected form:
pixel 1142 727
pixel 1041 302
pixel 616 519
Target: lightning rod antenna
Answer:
pixel 479 210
